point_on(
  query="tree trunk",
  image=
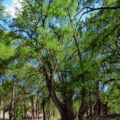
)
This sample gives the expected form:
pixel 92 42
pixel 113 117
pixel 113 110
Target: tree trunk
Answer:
pixel 25 110
pixel 4 111
pixel 105 108
pixel 65 109
pixel 43 107
pixel 98 105
pixel 68 105
pixel 13 100
pixel 37 109
pixel 83 106
pixel 90 105
pixel 32 106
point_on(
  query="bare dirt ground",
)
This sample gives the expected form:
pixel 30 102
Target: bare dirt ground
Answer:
pixel 104 117
pixel 7 117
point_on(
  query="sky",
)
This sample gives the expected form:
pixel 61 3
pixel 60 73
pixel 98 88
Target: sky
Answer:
pixel 11 5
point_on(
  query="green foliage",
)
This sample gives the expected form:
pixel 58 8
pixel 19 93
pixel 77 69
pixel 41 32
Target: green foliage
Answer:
pixel 6 51
pixel 50 51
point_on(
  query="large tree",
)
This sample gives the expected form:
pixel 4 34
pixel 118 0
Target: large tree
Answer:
pixel 71 48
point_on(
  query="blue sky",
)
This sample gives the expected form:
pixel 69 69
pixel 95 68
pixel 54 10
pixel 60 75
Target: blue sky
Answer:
pixel 7 2
pixel 11 6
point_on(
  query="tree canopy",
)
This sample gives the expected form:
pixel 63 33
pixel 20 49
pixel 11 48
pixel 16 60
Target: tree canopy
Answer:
pixel 60 59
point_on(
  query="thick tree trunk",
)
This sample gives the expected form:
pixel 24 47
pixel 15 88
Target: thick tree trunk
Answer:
pixel 68 105
pixel 99 108
pixel 65 108
pixel 105 108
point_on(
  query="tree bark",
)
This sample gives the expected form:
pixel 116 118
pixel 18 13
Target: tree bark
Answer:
pixel 43 107
pixel 65 108
pixel 25 110
pixel 13 100
pixel 4 111
pixel 90 105
pixel 83 106
pixel 32 106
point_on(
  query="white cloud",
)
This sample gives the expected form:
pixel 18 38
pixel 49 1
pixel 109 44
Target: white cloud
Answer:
pixel 14 8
